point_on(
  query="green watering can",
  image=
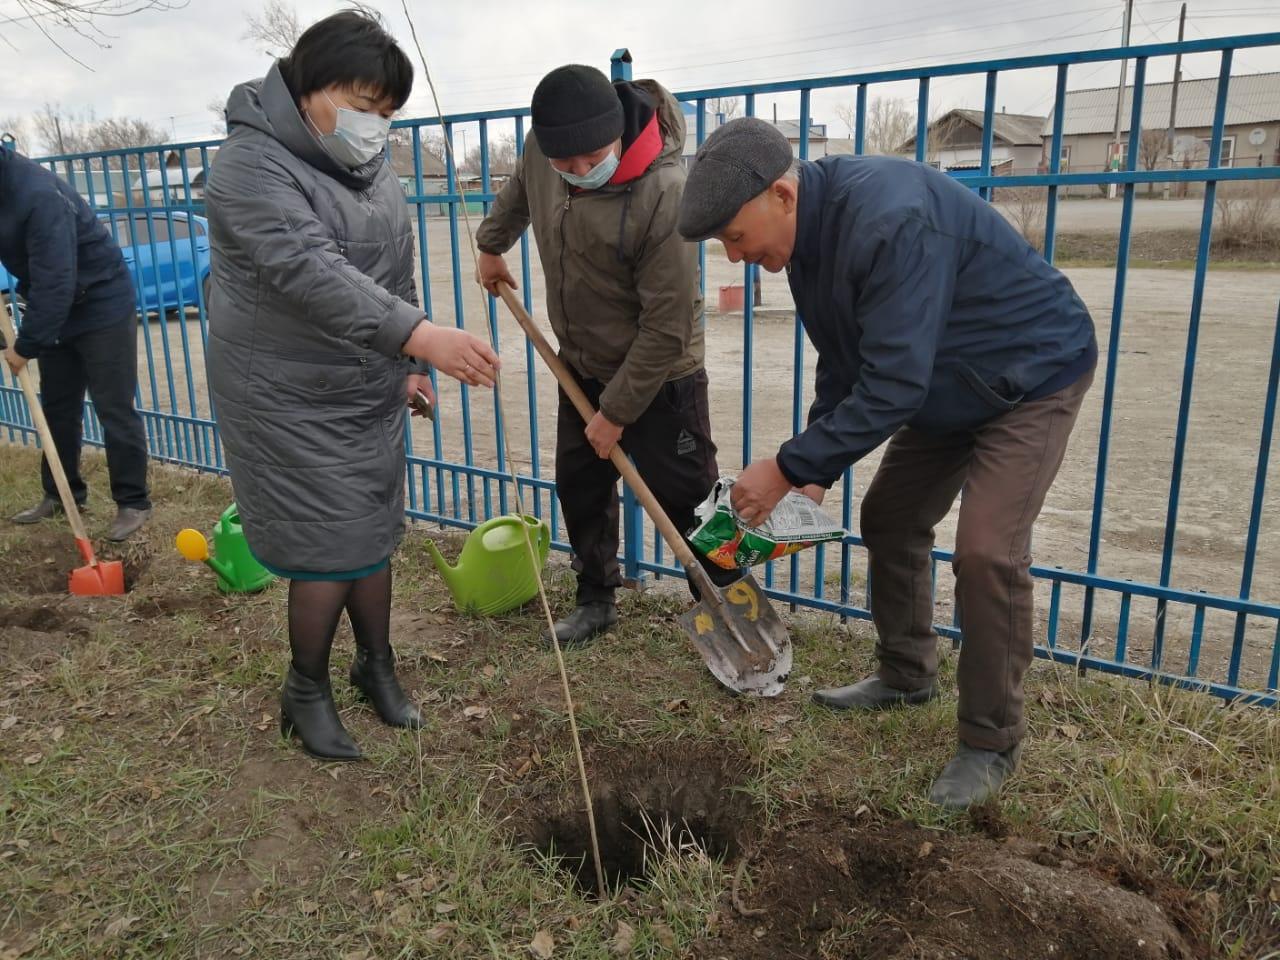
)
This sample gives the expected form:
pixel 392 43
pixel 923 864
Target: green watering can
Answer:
pixel 493 574
pixel 237 569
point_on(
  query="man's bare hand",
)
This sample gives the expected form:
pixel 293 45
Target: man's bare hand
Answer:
pixel 603 435
pixel 492 270
pixel 15 360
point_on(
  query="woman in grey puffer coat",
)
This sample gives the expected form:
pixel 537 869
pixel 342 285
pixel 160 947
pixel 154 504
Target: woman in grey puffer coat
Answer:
pixel 313 321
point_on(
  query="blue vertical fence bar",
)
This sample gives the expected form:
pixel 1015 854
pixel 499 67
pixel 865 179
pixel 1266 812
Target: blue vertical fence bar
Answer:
pixel 860 120
pixel 141 197
pixel 922 121
pixel 632 517
pixel 1255 509
pixel 457 196
pixel 847 483
pixel 797 369
pixel 988 131
pixel 1055 163
pixel 530 360
pixel 1189 362
pixel 1113 353
pixel 499 428
pixel 424 273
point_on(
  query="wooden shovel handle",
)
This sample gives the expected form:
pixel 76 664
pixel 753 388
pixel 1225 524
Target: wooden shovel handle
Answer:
pixel 625 467
pixel 42 428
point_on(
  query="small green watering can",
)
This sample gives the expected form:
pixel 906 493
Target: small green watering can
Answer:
pixel 237 569
pixel 493 573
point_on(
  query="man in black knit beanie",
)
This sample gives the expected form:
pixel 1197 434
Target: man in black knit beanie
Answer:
pixel 600 181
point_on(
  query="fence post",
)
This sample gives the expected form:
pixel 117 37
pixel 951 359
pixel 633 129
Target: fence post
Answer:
pixel 620 64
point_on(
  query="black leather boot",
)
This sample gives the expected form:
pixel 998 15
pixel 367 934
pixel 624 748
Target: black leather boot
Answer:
pixel 375 677
pixel 307 709
pixel 586 620
pixel 872 693
pixel 973 776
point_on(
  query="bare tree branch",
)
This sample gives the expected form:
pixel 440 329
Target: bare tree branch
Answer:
pixel 502 157
pixel 726 105
pixel 218 107
pixel 82 18
pixel 1152 150
pixel 275 30
pixel 64 132
pixel 889 123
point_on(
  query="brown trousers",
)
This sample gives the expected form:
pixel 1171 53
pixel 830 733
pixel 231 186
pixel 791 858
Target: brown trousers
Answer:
pixel 1005 469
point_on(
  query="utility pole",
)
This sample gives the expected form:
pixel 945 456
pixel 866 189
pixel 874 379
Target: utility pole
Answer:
pixel 1124 74
pixel 1173 97
pixel 57 126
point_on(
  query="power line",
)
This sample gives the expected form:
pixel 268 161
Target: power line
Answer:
pixel 884 40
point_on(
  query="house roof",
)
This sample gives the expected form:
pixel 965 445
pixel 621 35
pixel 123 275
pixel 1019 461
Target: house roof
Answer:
pixel 977 164
pixel 402 160
pixel 1251 98
pixel 791 130
pixel 1013 129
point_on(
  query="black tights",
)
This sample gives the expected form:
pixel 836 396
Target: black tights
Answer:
pixel 315 607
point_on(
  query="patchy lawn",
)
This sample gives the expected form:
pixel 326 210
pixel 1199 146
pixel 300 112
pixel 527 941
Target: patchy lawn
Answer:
pixel 150 809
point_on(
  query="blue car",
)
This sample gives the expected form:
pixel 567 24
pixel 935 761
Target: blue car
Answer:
pixel 166 276
pixel 169 270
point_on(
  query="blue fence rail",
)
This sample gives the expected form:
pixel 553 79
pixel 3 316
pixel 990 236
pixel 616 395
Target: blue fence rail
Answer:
pixel 457 477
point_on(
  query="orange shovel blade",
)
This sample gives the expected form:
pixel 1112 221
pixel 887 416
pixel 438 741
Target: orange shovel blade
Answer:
pixel 96 579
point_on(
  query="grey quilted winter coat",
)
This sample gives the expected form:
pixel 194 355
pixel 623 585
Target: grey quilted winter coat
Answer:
pixel 312 299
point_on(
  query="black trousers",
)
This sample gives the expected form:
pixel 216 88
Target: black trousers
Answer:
pixel 105 362
pixel 672 449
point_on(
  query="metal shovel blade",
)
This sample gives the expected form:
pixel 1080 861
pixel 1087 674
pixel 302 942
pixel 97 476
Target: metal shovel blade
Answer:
pixel 97 578
pixel 741 638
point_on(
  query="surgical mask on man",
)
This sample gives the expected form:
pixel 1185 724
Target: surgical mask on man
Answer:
pixel 357 137
pixel 594 178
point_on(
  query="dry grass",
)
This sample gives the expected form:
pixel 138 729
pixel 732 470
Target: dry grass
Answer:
pixel 150 810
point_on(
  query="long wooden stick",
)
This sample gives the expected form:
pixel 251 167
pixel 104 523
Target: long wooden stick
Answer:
pixel 511 468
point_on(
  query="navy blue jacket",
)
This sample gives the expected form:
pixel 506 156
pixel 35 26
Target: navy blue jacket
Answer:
pixel 926 308
pixel 69 270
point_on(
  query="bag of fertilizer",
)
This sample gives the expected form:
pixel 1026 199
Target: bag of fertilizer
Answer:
pixel 796 522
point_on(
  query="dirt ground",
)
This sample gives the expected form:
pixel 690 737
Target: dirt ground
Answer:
pixel 1237 325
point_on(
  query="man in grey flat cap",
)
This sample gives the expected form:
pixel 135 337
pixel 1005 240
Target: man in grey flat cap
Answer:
pixel 940 330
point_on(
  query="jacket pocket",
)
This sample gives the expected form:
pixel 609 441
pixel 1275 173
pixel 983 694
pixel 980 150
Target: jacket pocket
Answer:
pixel 986 393
pixel 335 381
pixel 961 398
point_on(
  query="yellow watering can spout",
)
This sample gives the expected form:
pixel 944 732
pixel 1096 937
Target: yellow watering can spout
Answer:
pixel 192 545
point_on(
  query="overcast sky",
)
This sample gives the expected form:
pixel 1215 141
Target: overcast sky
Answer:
pixel 166 66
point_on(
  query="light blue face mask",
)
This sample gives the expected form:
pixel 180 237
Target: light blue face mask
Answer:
pixel 596 177
pixel 357 137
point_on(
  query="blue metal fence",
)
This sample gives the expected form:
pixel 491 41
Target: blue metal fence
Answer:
pixel 457 474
